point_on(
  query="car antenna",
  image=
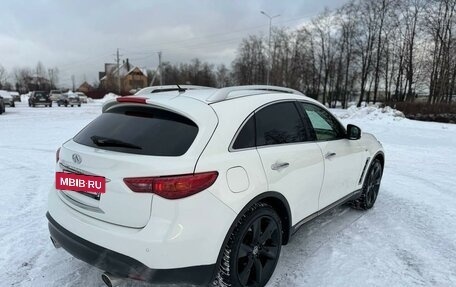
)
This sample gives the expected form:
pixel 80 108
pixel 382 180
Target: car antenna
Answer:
pixel 181 90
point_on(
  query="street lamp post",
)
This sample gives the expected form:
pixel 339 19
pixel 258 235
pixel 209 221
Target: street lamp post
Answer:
pixel 269 43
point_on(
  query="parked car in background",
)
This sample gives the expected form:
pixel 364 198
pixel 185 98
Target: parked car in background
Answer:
pixel 62 100
pixel 69 100
pixel 82 97
pixel 74 100
pixel 55 95
pixel 39 98
pixel 7 98
pixel 2 105
pixel 16 96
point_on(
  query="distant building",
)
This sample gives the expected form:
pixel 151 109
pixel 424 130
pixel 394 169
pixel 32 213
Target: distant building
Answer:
pixel 135 79
pixel 85 88
pixel 131 77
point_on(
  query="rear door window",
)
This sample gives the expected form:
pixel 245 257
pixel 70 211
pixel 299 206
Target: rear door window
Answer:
pixel 279 124
pixel 140 130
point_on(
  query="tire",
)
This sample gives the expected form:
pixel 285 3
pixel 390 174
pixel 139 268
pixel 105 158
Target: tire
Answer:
pixel 13 105
pixel 33 105
pixel 79 105
pixel 251 254
pixel 371 187
pixel 71 105
pixel 66 105
pixel 58 105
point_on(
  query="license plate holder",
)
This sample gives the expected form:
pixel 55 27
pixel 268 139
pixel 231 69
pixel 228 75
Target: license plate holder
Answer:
pixel 89 185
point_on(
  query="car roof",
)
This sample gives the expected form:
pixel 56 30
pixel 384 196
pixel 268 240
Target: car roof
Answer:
pixel 213 95
pixel 169 88
pixel 195 101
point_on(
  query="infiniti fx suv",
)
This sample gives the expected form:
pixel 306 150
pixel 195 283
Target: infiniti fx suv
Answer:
pixel 203 186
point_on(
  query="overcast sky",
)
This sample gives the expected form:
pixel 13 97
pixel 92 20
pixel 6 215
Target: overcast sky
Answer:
pixel 79 36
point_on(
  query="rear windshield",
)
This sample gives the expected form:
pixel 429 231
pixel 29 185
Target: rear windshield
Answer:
pixel 140 130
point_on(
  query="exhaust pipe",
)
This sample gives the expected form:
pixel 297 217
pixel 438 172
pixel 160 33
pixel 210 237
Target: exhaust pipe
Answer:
pixel 111 280
pixel 55 243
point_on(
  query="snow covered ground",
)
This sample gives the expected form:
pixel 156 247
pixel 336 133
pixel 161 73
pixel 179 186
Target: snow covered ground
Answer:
pixel 407 239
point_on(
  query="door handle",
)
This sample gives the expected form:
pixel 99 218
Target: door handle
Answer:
pixel 329 154
pixel 279 165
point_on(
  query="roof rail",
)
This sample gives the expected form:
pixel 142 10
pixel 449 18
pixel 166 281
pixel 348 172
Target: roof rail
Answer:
pixel 168 88
pixel 223 93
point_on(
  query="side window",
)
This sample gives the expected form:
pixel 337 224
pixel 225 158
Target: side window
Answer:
pixel 246 137
pixel 326 127
pixel 279 123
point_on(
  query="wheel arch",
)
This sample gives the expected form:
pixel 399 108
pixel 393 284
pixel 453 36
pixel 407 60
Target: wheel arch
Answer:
pixel 378 155
pixel 278 202
pixel 381 157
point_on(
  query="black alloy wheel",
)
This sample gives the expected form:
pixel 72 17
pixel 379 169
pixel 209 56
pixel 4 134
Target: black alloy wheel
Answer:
pixel 371 187
pixel 373 183
pixel 254 249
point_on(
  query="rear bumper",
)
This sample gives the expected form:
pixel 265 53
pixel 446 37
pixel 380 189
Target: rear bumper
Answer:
pixel 125 266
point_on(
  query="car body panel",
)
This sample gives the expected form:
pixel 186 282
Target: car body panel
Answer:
pixel 16 96
pixel 118 201
pixel 191 231
pixel 179 233
pixel 7 98
pixel 301 181
pixel 349 157
pixel 54 95
pixel 2 105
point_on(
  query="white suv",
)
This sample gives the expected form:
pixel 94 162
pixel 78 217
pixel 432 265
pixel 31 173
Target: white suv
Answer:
pixel 204 186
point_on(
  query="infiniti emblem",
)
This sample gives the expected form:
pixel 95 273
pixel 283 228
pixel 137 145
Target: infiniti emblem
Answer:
pixel 77 158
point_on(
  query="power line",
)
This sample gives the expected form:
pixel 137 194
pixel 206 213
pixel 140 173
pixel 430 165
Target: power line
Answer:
pixel 130 50
pixel 187 44
pixel 118 70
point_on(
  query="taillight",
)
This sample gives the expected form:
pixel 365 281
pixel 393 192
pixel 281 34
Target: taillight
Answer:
pixel 172 187
pixel 57 155
pixel 130 99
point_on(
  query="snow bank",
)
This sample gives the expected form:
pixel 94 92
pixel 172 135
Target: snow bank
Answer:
pixel 25 97
pixel 106 98
pixel 408 239
pixel 369 112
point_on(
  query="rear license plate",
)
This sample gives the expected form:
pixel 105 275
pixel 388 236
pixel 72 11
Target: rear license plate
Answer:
pixel 80 182
pixel 42 100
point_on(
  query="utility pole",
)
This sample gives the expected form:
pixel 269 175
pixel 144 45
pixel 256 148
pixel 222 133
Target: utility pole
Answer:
pixel 159 67
pixel 51 77
pixel 118 71
pixel 269 44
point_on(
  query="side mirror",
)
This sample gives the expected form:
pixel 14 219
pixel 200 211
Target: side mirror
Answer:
pixel 353 132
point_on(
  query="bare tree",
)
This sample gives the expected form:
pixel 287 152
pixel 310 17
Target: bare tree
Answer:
pixel 250 64
pixel 3 76
pixel 40 70
pixel 222 76
pixel 53 75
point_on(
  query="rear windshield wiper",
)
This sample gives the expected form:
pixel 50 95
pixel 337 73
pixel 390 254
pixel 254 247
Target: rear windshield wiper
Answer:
pixel 103 141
